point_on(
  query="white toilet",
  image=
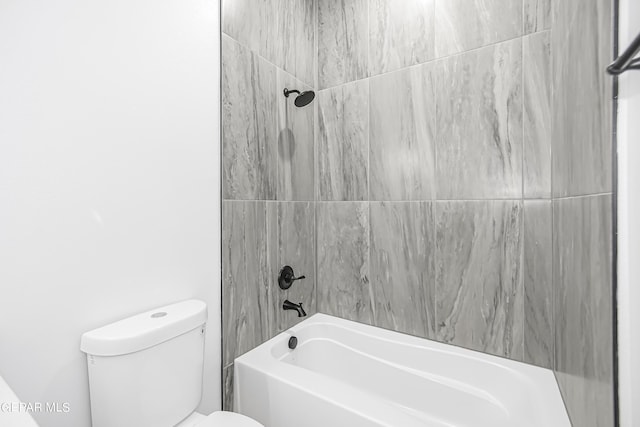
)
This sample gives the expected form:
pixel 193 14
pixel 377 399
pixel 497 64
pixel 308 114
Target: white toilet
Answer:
pixel 146 370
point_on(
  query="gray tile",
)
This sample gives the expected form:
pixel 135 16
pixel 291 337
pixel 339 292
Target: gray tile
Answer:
pixel 402 266
pixel 400 36
pixel 583 312
pixel 281 31
pixel 462 25
pixel 344 289
pixel 479 296
pixel 296 248
pixel 537 115
pixel 537 15
pixel 249 124
pixel 343 34
pixel 297 37
pixel 343 142
pixel 581 47
pixel 248 245
pixel 253 23
pixel 538 283
pixel 295 143
pixel 401 137
pixel 479 116
pixel 227 388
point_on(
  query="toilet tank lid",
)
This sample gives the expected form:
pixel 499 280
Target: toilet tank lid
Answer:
pixel 145 330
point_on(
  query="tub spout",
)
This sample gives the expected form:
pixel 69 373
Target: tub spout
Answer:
pixel 288 305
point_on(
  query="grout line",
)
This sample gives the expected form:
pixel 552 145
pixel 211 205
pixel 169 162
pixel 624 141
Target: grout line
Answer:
pixel 522 192
pixel 268 61
pixel 368 136
pixel 583 196
pixel 434 230
pixel 438 201
pixel 432 60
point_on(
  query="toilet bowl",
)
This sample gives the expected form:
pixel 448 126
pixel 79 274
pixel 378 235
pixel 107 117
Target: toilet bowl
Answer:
pixel 146 370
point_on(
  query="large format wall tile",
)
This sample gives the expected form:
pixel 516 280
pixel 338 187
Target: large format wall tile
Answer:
pixel 537 15
pixel 537 115
pixel 402 266
pixel 296 248
pixel 343 142
pixel 248 246
pixel 581 45
pixel 253 23
pixel 343 260
pixel 462 25
pixel 401 138
pixel 249 124
pixel 297 38
pixel 538 283
pixel 281 31
pixel 343 34
pixel 400 36
pixel 479 124
pixel 295 143
pixel 479 296
pixel 583 312
pixel 227 388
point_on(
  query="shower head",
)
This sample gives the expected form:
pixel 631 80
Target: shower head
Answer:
pixel 303 98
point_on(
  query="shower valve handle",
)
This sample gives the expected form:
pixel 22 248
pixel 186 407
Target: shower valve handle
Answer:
pixel 286 277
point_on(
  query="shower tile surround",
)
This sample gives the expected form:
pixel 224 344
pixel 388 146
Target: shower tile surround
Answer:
pixel 436 184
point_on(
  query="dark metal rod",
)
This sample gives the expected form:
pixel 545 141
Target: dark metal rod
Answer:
pixel 628 60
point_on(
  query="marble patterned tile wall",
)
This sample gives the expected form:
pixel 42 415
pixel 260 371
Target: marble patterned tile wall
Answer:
pixel 537 15
pixel 259 237
pixel 392 34
pixel 295 143
pixel 581 42
pixel 343 142
pixel 268 170
pixel 227 388
pixel 296 248
pixel 581 46
pixel 453 115
pixel 537 115
pixel 479 296
pixel 401 137
pixel 402 266
pixel 280 31
pixel 538 283
pixel 458 109
pixel 343 32
pixel 248 248
pixel 343 261
pixel 462 25
pixel 249 124
pixel 583 307
pixel 479 124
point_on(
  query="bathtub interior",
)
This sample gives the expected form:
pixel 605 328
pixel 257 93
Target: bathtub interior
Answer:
pixel 360 368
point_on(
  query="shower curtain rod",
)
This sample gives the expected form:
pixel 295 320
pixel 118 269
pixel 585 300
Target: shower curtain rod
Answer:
pixel 628 60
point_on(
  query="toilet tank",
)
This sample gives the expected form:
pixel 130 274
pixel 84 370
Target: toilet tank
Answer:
pixel 146 370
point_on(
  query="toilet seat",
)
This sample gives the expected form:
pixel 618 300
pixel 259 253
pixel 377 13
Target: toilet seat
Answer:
pixel 228 419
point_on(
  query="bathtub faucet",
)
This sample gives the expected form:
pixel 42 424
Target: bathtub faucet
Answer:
pixel 288 305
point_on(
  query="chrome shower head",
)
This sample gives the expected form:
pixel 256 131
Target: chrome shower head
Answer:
pixel 303 99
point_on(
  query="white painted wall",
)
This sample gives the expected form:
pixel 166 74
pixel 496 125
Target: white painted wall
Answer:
pixel 109 181
pixel 629 225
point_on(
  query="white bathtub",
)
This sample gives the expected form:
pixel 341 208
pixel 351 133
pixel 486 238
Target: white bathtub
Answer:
pixel 344 373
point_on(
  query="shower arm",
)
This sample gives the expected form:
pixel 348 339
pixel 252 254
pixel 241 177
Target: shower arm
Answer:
pixel 288 92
